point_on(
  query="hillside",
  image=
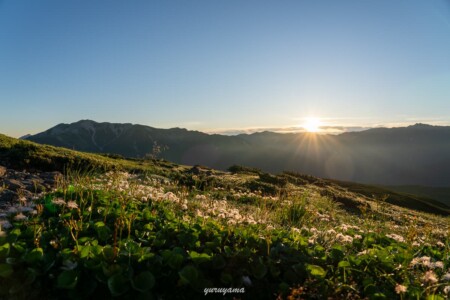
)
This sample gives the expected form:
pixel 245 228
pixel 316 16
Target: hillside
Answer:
pixel 156 230
pixel 441 194
pixel 20 154
pixel 413 155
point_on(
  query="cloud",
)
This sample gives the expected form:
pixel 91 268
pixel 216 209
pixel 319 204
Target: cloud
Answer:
pixel 291 129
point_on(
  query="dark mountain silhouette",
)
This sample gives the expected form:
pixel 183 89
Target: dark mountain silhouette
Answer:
pixel 413 155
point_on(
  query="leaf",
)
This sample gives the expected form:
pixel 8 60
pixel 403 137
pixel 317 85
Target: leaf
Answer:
pixel 49 206
pixel 14 235
pixel 218 261
pixel 337 253
pixel 108 252
pixel 173 259
pixel 316 271
pixel 118 285
pixel 19 247
pixel 188 274
pixel 85 251
pixel 198 258
pixel 34 255
pixel 4 250
pixel 103 232
pixel 259 270
pixel 67 279
pixel 226 278
pixel 143 282
pixel 71 188
pixel 5 270
pixel 344 264
pixel 435 297
pixel 112 270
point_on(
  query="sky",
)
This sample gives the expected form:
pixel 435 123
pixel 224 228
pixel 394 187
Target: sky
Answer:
pixel 224 66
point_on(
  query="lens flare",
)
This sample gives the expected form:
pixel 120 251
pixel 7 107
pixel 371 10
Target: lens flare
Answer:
pixel 312 125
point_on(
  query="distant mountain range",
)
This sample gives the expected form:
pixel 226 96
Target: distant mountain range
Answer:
pixel 413 155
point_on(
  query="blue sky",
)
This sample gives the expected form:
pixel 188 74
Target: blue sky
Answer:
pixel 221 65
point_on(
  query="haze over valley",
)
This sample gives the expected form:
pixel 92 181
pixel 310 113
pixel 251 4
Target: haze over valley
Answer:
pixel 413 155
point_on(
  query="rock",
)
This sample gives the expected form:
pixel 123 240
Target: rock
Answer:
pixel 13 184
pixel 50 178
pixel 22 186
pixel 34 185
pixel 7 196
pixel 2 171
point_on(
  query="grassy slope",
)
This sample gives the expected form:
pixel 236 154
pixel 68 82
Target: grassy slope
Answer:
pixel 21 154
pixel 408 200
pixel 441 194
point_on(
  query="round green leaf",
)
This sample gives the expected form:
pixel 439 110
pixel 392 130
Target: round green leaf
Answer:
pixel 316 271
pixel 344 264
pixel 188 274
pixel 5 270
pixel 218 262
pixel 143 282
pixel 259 270
pixel 67 279
pixel 118 285
pixel 34 255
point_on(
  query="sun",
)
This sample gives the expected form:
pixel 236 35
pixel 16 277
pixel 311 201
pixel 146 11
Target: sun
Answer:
pixel 312 124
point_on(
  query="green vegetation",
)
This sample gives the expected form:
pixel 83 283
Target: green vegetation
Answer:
pixel 164 231
pixel 441 194
pixel 22 154
pixel 412 201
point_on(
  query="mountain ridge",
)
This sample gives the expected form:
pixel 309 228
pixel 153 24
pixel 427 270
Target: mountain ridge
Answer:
pixel 413 155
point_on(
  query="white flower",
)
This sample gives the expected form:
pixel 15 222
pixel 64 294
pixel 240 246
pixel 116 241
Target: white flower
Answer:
pixel 429 277
pixel 447 289
pixel 438 264
pixel 396 237
pixel 424 261
pixel 416 244
pixel 313 230
pixel 344 238
pixel 400 289
pixel 446 277
pixel 72 205
pixel 20 217
pixel 58 201
pixel 364 252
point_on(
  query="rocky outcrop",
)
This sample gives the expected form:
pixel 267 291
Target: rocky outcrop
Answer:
pixel 22 185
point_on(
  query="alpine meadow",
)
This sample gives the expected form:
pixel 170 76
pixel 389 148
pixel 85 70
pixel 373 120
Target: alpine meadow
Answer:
pixel 224 149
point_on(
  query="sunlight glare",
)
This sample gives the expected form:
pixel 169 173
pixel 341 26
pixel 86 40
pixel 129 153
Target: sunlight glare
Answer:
pixel 312 125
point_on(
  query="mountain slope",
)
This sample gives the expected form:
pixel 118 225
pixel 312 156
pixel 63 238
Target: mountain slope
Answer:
pixel 28 155
pixel 413 155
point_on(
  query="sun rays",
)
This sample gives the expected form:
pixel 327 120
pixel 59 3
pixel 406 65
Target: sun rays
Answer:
pixel 312 124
